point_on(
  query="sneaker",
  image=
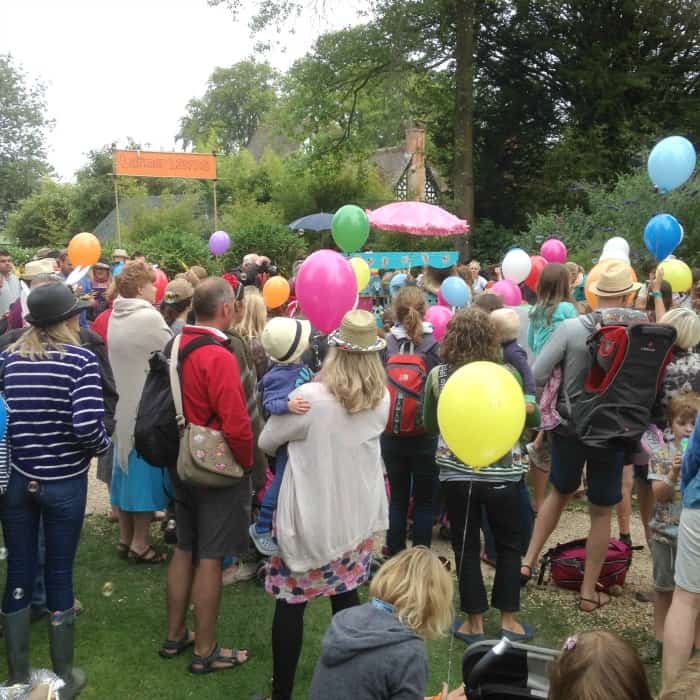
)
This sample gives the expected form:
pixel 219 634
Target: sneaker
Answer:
pixel 537 457
pixel 264 542
pixel 241 571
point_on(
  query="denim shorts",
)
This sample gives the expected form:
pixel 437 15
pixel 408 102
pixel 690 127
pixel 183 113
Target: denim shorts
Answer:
pixel 663 554
pixel 603 470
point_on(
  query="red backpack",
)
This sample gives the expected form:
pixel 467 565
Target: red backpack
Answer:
pixel 406 374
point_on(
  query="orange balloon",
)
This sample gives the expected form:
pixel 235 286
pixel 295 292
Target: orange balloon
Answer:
pixel 275 292
pixel 84 249
pixel 594 276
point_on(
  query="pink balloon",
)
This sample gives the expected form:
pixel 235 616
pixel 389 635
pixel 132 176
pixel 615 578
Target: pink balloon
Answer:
pixel 510 292
pixel 439 317
pixel 326 289
pixel 554 251
pixel 441 299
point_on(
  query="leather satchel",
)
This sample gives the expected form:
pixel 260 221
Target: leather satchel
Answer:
pixel 204 458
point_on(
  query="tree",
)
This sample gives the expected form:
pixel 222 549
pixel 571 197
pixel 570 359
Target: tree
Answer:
pixel 44 217
pixel 227 116
pixel 23 123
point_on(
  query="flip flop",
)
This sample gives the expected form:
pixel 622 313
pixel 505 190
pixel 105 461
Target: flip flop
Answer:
pixel 174 647
pixel 527 635
pixel 466 638
pixel 596 602
pixel 144 558
pixel 205 664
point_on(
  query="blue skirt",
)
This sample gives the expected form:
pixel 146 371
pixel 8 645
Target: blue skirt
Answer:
pixel 143 490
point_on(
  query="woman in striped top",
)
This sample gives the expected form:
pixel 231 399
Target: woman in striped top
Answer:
pixel 471 336
pixel 54 395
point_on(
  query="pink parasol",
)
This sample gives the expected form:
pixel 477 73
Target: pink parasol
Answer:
pixel 418 219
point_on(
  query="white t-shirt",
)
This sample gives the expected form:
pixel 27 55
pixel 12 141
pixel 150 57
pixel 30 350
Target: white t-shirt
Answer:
pixel 479 284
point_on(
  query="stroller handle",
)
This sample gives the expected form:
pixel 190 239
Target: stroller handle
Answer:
pixel 490 658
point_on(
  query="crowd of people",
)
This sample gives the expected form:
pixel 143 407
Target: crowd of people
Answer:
pixel 324 464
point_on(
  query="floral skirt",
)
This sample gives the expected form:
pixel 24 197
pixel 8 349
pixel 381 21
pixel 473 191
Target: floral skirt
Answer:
pixel 343 574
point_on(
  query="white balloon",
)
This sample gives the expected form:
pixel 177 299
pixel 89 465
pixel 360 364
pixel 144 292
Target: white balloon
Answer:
pixel 516 265
pixel 617 242
pixel 614 254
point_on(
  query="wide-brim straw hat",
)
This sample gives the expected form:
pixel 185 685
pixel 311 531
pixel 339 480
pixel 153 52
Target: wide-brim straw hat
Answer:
pixel 615 280
pixel 119 253
pixel 357 333
pixel 45 266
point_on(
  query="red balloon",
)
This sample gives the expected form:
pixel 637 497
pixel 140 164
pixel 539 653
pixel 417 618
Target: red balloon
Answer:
pixel 160 284
pixel 538 263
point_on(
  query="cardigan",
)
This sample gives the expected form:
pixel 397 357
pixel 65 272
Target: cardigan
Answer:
pixel 55 412
pixel 332 496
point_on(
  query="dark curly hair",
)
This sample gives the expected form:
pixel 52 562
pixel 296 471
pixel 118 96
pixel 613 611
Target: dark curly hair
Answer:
pixel 471 337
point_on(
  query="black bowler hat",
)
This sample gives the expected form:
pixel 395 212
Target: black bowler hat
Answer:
pixel 52 303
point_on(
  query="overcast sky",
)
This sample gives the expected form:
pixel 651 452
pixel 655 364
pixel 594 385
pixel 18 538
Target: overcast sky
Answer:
pixel 118 68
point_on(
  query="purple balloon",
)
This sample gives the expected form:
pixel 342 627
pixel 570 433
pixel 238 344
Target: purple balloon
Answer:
pixel 439 317
pixel 326 288
pixel 512 296
pixel 219 242
pixel 553 250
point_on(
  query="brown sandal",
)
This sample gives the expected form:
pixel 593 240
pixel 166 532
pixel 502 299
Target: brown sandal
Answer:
pixel 122 550
pixel 596 602
pixel 149 556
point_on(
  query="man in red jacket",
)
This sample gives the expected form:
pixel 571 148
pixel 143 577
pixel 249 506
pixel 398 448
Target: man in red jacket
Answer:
pixel 211 523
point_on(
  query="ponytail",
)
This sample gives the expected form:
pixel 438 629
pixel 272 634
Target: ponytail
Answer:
pixel 409 307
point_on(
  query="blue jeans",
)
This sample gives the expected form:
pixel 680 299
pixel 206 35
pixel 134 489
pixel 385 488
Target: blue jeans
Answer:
pixel 61 506
pixel 410 466
pixel 269 502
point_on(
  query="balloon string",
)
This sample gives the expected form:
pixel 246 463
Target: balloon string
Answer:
pixel 459 571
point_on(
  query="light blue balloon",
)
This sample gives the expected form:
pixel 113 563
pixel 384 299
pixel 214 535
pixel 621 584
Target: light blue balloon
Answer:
pixel 397 281
pixel 455 291
pixel 671 162
pixel 3 418
pixel 662 235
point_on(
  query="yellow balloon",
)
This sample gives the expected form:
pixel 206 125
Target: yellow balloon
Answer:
pixel 361 270
pixel 677 274
pixel 481 413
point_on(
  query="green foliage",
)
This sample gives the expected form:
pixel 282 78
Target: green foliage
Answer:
pixel 22 142
pixel 174 214
pixel 227 116
pixel 280 244
pixel 621 210
pixel 175 251
pixel 43 218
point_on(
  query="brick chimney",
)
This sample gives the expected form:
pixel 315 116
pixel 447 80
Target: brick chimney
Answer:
pixel 415 147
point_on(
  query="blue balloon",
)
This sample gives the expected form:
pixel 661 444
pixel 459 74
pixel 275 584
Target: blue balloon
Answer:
pixel 397 281
pixel 3 418
pixel 662 235
pixel 455 291
pixel 671 162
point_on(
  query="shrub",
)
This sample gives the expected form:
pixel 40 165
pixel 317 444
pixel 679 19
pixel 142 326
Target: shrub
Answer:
pixel 174 251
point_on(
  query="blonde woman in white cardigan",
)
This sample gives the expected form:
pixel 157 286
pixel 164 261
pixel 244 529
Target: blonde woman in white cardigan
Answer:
pixel 332 498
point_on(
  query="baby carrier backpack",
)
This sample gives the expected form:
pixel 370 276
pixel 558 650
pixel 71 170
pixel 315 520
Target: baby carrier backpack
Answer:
pixel 567 562
pixel 503 670
pixel 628 360
pixel 406 373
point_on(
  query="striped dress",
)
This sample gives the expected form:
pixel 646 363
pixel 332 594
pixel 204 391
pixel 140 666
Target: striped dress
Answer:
pixel 55 413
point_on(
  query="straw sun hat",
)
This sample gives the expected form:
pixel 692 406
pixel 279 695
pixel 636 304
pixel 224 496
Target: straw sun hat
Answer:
pixel 615 280
pixel 357 333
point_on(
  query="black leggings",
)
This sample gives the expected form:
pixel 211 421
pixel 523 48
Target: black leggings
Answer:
pixel 287 638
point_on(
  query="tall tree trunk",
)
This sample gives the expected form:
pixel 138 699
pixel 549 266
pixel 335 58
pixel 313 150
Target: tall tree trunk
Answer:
pixel 463 175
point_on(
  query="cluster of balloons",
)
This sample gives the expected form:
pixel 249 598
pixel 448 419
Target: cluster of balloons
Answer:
pixel 520 268
pixel 219 242
pixel 671 162
pixel 493 401
pixel 350 228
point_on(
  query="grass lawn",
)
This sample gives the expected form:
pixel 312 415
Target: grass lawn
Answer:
pixel 118 634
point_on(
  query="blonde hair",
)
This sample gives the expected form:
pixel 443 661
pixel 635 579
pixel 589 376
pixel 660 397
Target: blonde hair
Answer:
pixel 419 587
pixel 507 323
pixel 409 307
pixel 36 342
pixel 254 315
pixel 356 379
pixel 687 325
pixel 598 666
pixel 687 684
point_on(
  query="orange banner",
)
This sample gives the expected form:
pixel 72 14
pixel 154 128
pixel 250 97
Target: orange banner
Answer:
pixel 191 166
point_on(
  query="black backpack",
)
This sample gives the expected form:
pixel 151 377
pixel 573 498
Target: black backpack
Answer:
pixel 627 367
pixel 156 435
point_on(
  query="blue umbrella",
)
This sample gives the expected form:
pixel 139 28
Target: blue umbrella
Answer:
pixel 313 222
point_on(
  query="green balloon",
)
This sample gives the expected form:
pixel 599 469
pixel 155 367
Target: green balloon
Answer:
pixel 350 228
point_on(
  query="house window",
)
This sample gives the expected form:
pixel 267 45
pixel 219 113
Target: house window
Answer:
pixel 401 187
pixel 432 192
